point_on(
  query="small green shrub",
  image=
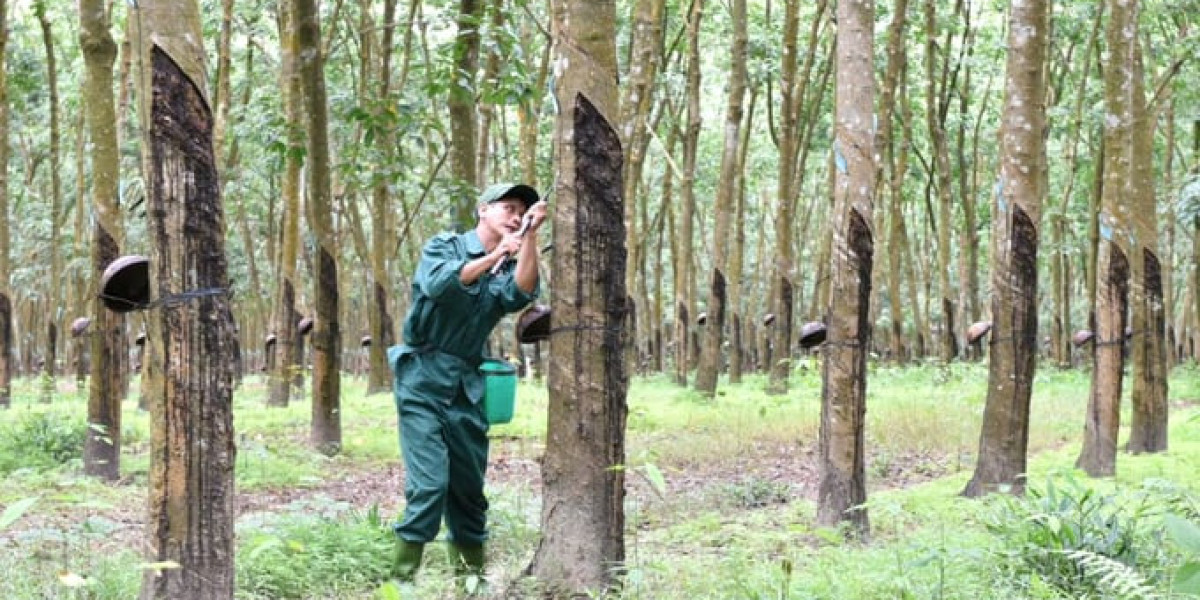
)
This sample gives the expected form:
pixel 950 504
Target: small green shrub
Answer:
pixel 74 576
pixel 41 440
pixel 1079 541
pixel 755 492
pixel 301 556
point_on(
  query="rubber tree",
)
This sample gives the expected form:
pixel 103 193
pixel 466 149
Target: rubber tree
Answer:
pixel 1098 457
pixel 191 336
pixel 583 474
pixel 842 489
pixel 1017 208
pixel 102 448
pixel 711 363
pixel 6 308
pixel 325 432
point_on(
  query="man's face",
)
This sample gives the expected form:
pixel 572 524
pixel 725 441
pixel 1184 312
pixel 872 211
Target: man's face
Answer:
pixel 504 215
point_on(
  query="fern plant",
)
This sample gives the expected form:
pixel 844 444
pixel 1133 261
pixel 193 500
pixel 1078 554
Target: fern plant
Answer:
pixel 1073 538
pixel 1113 579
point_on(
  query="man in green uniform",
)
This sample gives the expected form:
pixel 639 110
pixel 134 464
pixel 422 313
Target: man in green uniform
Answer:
pixel 463 286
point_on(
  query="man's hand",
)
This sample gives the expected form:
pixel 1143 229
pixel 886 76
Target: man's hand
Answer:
pixel 536 215
pixel 509 245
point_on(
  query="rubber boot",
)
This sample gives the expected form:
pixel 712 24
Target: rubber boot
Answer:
pixel 407 561
pixel 469 566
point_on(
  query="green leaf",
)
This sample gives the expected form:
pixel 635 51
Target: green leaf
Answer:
pixel 389 591
pixel 1185 533
pixel 15 510
pixel 266 544
pixel 656 479
pixel 1187 579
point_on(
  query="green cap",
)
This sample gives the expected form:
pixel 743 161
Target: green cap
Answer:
pixel 502 191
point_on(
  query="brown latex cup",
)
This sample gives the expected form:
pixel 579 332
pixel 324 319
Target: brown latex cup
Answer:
pixel 125 284
pixel 534 324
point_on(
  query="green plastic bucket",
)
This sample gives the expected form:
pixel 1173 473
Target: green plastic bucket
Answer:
pixel 500 390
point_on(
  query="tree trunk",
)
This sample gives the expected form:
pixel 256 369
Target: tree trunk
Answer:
pixel 6 322
pixel 896 56
pixel 1060 261
pixel 968 280
pixel 711 363
pixel 1103 419
pixel 1169 229
pixel 583 518
pixel 254 308
pixel 782 288
pixel 940 165
pixel 685 273
pixel 222 96
pixel 1098 456
pixel 53 314
pixel 464 125
pixel 667 247
pixel 738 355
pixel 189 367
pixel 1093 249
pixel 77 305
pixel 6 356
pixel 1148 396
pixel 906 257
pixel 284 356
pixel 1195 337
pixel 486 168
pixel 379 376
pixel 102 448
pixel 842 489
pixel 1004 439
pixel 1195 283
pixel 645 57
pixel 326 431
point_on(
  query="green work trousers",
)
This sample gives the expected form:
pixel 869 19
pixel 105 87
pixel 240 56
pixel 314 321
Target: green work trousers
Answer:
pixel 445 448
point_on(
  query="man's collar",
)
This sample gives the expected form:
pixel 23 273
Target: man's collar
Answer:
pixel 474 244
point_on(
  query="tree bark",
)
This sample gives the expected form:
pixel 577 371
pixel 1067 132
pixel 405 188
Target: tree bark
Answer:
pixel 1148 396
pixel 78 280
pixel 782 287
pixel 379 378
pixel 189 367
pixel 645 57
pixel 102 448
pixel 896 56
pixel 1004 439
pixel 1195 283
pixel 285 363
pixel 583 518
pixel 685 296
pixel 968 280
pixel 1169 229
pixel 53 314
pixel 738 354
pixel 711 363
pixel 6 322
pixel 842 489
pixel 1195 337
pixel 464 125
pixel 1098 456
pixel 326 431
pixel 6 359
pixel 1060 262
pixel 940 165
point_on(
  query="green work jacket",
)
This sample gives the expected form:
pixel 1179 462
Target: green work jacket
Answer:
pixel 448 322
